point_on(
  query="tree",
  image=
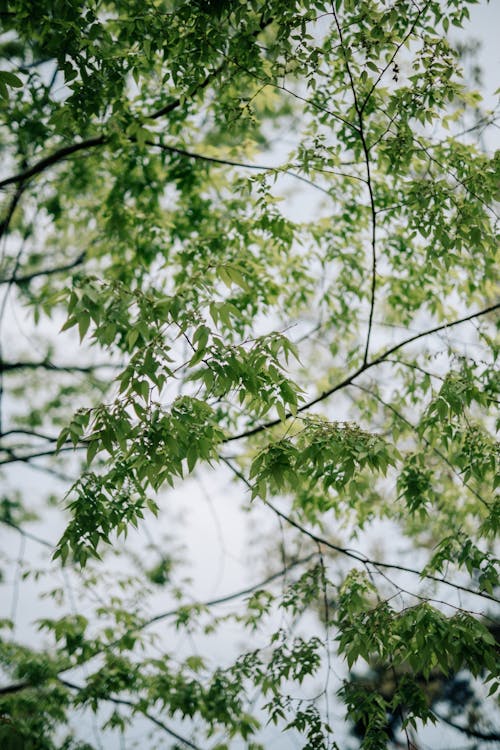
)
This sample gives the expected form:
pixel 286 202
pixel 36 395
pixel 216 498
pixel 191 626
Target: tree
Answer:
pixel 331 355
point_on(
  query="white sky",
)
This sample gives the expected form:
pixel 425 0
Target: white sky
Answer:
pixel 485 26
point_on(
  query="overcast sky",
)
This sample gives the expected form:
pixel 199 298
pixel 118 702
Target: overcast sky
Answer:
pixel 484 26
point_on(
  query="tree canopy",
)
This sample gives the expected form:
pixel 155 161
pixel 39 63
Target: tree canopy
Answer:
pixel 248 250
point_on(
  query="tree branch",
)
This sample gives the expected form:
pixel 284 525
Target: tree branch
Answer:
pixel 19 686
pixel 47 365
pixel 386 67
pixel 13 457
pixel 364 367
pixel 373 212
pixel 90 143
pixel 30 433
pixel 16 687
pixel 414 366
pixel 101 140
pixel 426 442
pixel 5 223
pixel 52 159
pixel 137 709
pixel 27 534
pixel 45 272
pixel 355 554
pixel 231 163
pixel 452 174
pixel 236 594
pixel 476 733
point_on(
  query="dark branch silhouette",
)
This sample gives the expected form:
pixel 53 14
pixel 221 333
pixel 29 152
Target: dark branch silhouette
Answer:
pixel 364 367
pixel 29 433
pixel 137 709
pixel 100 140
pixel 243 165
pixel 468 731
pixel 373 213
pixel 26 278
pixel 48 365
pixel 25 685
pixel 14 457
pixel 355 554
pixel 27 534
pixel 5 223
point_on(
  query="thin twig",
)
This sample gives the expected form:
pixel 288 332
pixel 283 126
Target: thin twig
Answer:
pixel 25 685
pixel 236 594
pixel 393 57
pixel 14 457
pixel 373 212
pixel 426 442
pixel 137 708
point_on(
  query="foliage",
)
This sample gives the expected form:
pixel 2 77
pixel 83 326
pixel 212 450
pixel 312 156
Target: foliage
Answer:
pixel 252 241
